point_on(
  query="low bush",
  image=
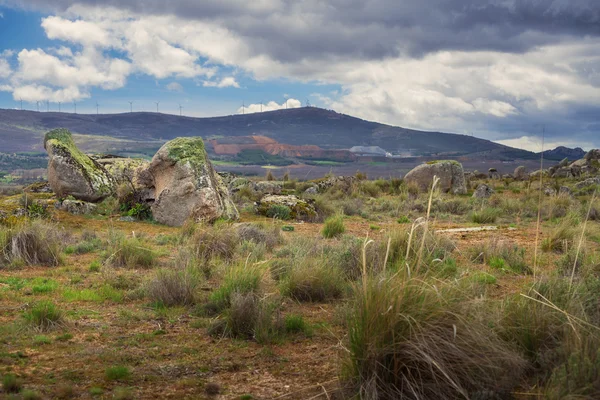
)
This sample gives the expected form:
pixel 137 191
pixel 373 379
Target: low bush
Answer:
pixel 44 316
pixel 240 279
pixel 500 255
pixel 334 226
pixel 129 252
pixel 117 373
pixel 279 211
pixel 173 287
pixel 36 243
pixel 215 242
pixel 314 280
pixel 561 238
pixel 487 215
pixel 269 235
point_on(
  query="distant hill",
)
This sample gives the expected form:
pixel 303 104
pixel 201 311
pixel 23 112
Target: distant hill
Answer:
pixel 143 133
pixel 563 152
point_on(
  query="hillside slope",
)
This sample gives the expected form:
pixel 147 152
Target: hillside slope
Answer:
pixel 143 132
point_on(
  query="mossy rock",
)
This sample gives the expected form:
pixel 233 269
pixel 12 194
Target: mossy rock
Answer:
pixel 71 172
pixel 300 209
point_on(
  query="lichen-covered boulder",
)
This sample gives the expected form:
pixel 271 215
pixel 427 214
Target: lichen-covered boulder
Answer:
pixel 76 207
pixel 70 172
pixel 268 187
pixel 131 173
pixel 186 185
pixel 483 192
pixel 450 172
pixel 299 209
pixel 521 173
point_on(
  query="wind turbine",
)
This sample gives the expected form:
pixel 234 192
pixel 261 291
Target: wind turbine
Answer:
pixel 59 106
pixel 131 106
pixel 157 102
pixel 38 105
pixel 97 108
pixel 180 109
pixel 21 100
pixel 75 106
pixel 243 107
pixel 47 105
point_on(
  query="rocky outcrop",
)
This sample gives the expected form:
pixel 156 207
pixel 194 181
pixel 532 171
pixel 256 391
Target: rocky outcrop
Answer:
pixel 521 173
pixel 72 173
pixel 450 172
pixel 185 184
pixel 300 209
pixel 587 182
pixel 344 183
pixel 483 192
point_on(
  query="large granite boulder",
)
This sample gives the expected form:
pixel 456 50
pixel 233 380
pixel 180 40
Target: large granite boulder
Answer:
pixel 72 173
pixel 521 173
pixel 186 185
pixel 450 172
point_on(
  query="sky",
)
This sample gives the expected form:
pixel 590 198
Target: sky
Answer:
pixel 503 70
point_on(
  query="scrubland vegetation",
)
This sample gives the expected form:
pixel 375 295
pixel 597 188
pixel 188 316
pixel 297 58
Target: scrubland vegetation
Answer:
pixel 374 299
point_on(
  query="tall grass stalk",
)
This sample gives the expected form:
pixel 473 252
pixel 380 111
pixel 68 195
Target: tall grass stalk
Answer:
pixel 426 227
pixel 539 215
pixel 587 216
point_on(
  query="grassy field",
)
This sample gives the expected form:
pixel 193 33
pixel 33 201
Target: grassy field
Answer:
pixel 387 294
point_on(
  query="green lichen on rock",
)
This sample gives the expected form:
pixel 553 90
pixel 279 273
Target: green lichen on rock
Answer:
pixel 59 143
pixel 188 149
pixel 432 162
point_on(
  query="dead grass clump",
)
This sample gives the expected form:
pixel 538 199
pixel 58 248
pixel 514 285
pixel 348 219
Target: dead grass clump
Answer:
pixel 250 317
pixel 560 239
pixel 408 340
pixel 174 287
pixel 269 235
pixel 215 242
pixel 35 243
pixel 129 252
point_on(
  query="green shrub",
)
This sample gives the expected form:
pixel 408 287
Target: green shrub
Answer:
pixel 295 324
pixel 37 210
pixel 486 215
pixel 500 255
pixel 11 384
pixel 140 211
pixel 268 235
pixel 129 252
pixel 239 279
pixel 334 226
pixel 43 316
pixel 117 373
pixel 279 211
pixel 403 220
pixel 95 266
pixel 315 281
pixel 288 228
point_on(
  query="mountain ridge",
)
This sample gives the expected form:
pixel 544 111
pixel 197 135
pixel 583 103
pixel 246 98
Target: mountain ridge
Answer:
pixel 21 130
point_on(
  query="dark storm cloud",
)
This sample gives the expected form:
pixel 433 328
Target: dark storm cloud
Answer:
pixel 290 30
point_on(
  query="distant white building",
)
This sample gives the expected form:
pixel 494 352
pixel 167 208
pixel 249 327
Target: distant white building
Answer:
pixel 370 151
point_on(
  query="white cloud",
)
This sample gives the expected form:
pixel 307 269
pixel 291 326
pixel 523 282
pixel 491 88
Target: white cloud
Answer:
pixel 223 83
pixel 533 143
pixel 32 93
pixel 1 15
pixel 175 87
pixel 5 70
pixel 270 106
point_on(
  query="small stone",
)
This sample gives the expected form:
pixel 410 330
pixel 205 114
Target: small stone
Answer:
pixel 483 192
